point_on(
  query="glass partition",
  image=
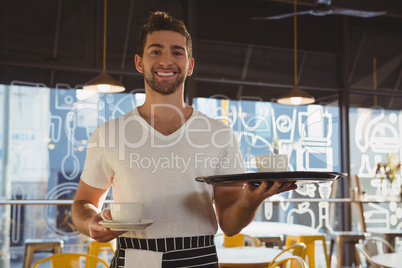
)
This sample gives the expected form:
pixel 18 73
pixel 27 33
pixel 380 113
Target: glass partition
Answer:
pixel 49 130
pixel 375 139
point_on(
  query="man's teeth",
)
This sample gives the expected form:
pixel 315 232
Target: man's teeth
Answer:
pixel 165 74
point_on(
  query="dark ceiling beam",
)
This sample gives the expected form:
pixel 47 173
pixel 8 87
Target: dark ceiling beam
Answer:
pixel 63 67
pixel 312 52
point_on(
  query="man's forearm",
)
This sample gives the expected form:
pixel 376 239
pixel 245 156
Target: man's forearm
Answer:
pixel 238 216
pixel 236 207
pixel 82 213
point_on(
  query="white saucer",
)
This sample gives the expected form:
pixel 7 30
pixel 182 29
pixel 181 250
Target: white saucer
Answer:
pixel 117 226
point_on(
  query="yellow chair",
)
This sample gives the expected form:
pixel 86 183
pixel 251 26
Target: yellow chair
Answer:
pixel 94 248
pixel 69 260
pixel 309 240
pixel 298 249
pixel 296 262
pixel 240 240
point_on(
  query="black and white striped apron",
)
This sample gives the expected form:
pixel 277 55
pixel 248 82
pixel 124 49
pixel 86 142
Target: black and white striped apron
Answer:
pixel 196 251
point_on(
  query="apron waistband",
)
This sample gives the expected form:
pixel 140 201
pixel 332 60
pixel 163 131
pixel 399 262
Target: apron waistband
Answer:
pixel 166 244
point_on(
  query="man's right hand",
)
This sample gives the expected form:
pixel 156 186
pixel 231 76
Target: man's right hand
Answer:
pixel 100 233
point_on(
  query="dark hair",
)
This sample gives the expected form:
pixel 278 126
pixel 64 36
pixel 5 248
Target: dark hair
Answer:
pixel 158 21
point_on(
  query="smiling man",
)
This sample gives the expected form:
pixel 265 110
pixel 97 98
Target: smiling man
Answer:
pixel 137 154
pixel 168 62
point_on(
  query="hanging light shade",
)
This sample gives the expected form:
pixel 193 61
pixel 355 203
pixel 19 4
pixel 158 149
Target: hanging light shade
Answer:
pixel 296 96
pixel 104 83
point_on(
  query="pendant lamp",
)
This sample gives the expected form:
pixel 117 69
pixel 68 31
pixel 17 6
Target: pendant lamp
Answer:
pixel 104 83
pixel 296 96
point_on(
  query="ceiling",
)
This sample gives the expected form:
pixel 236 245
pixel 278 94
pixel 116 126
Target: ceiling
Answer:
pixel 59 44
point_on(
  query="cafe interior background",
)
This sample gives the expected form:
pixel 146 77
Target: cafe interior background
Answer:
pixel 352 67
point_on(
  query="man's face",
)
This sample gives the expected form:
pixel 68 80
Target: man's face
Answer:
pixel 165 62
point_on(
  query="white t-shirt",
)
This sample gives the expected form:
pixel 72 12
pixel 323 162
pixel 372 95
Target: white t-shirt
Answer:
pixel 146 166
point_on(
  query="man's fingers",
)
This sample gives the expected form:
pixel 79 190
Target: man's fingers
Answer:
pixel 107 214
pixel 287 187
pixel 105 235
pixel 270 187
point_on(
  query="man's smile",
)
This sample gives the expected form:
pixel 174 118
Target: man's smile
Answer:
pixel 166 73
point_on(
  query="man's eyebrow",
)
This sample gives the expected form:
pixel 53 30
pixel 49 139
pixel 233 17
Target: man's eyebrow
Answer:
pixel 155 45
pixel 178 47
pixel 161 46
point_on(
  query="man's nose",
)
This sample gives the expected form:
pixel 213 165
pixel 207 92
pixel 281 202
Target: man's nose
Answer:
pixel 165 60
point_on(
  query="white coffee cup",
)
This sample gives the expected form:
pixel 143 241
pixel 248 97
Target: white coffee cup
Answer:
pixel 124 212
pixel 272 162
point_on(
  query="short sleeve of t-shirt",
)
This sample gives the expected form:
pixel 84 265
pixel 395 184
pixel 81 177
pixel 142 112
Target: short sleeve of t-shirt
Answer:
pixel 97 171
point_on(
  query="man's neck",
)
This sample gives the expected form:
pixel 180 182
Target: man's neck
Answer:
pixel 163 105
pixel 166 113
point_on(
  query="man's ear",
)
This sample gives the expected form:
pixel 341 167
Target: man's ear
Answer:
pixel 190 67
pixel 138 63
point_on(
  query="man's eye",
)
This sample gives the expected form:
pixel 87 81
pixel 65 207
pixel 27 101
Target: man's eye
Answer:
pixel 155 52
pixel 177 53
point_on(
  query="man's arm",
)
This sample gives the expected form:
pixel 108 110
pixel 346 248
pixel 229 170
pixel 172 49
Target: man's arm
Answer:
pixel 86 213
pixel 236 207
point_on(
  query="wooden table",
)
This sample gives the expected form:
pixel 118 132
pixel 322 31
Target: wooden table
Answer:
pixel 391 260
pixel 250 257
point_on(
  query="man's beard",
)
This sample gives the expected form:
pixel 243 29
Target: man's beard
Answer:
pixel 164 87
